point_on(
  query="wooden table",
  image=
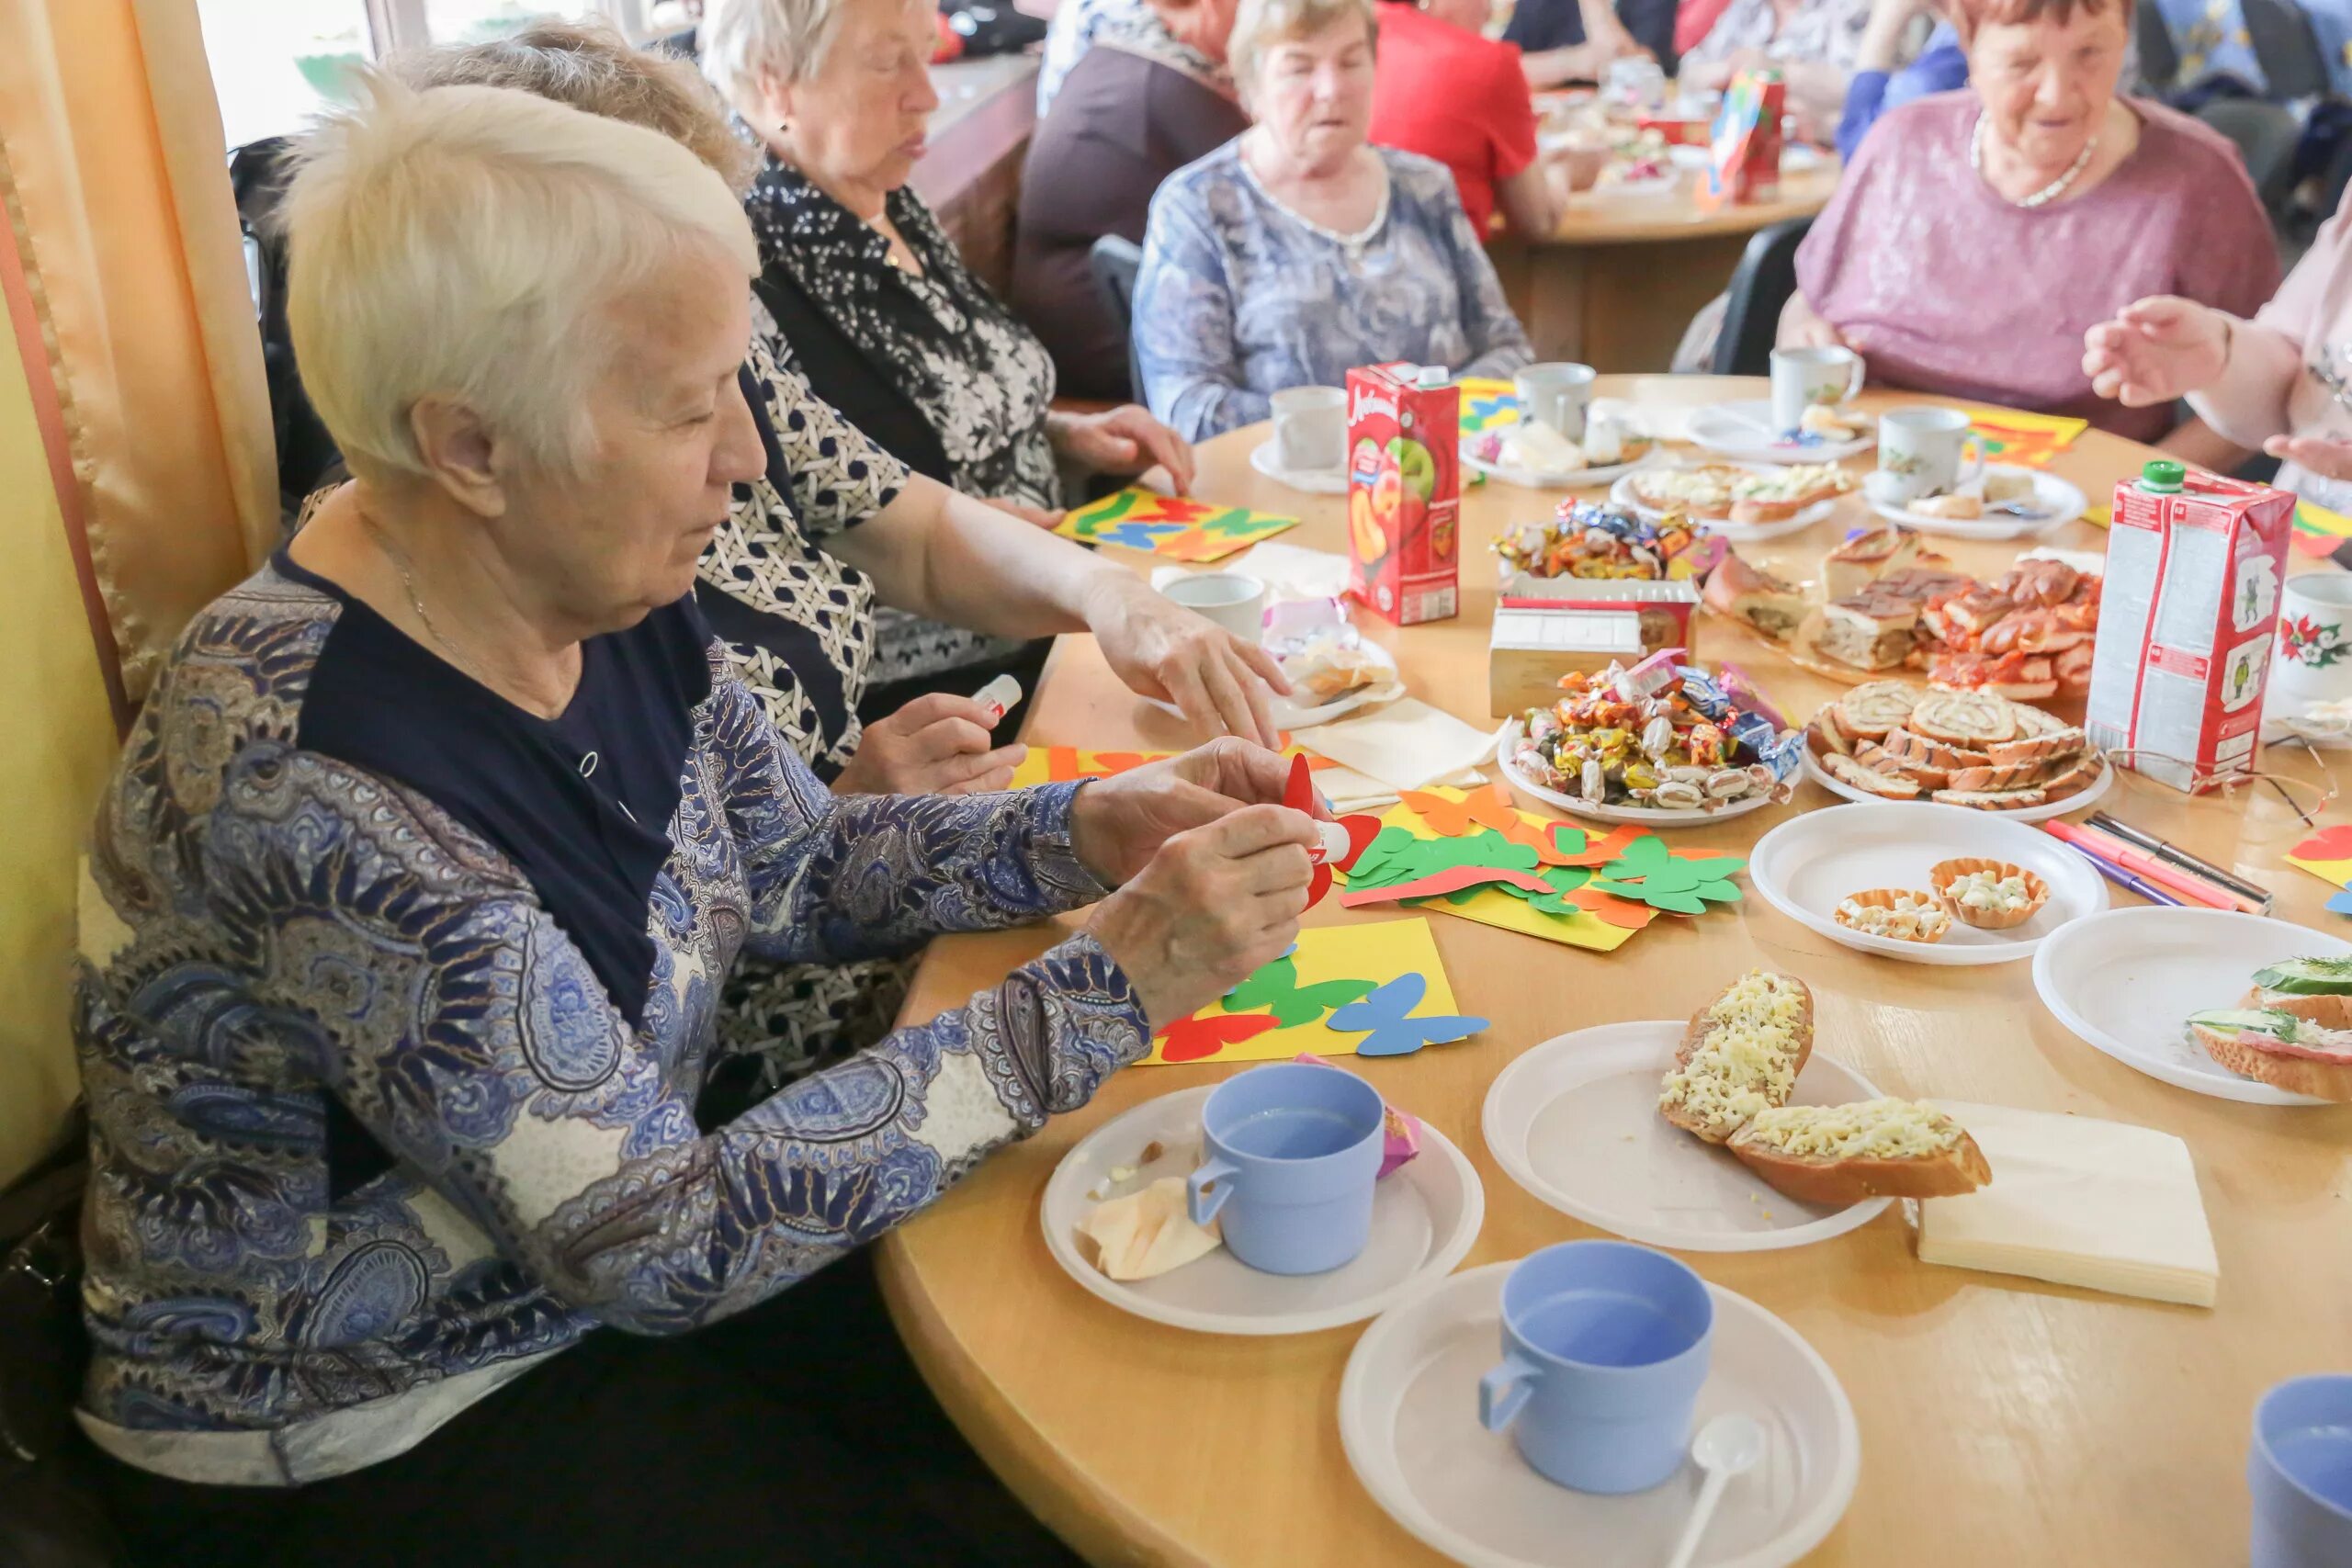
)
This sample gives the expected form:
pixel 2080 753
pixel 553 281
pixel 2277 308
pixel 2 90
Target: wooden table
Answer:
pixel 2003 1421
pixel 1616 288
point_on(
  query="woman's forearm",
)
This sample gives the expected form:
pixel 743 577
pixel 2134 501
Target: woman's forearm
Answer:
pixel 2248 402
pixel 952 559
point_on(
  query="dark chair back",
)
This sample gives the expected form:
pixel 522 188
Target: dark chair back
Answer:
pixel 1114 262
pixel 2287 50
pixel 1766 277
pixel 306 453
pixel 2159 60
pixel 2267 136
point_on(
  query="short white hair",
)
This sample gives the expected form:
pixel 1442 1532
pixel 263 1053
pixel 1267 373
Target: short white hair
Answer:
pixel 459 241
pixel 741 38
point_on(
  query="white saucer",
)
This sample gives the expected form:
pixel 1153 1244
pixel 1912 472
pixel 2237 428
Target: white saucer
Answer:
pixel 1424 1217
pixel 1649 815
pixel 2126 982
pixel 1575 1122
pixel 1744 431
pixel 1622 492
pixel 1812 862
pixel 1580 478
pixel 1287 715
pixel 2080 800
pixel 2062 503
pixel 1315 481
pixel 1409 1419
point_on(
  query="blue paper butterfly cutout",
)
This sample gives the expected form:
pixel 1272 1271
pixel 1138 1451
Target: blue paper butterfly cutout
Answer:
pixel 2342 902
pixel 1136 536
pixel 1395 1032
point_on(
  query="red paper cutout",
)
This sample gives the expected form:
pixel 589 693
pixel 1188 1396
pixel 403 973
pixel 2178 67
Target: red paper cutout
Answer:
pixel 1602 851
pixel 1299 793
pixel 1197 1039
pixel 1362 827
pixel 2328 843
pixel 1453 879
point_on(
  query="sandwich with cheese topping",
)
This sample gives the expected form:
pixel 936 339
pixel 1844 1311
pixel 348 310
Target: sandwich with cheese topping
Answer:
pixel 1837 1155
pixel 1740 1055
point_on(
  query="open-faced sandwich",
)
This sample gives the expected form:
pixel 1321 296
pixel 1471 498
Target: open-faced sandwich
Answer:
pixel 1703 490
pixel 1740 1055
pixel 1838 1155
pixel 2293 1031
pixel 1780 494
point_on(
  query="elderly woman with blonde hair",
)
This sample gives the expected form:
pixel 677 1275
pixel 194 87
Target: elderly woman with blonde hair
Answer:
pixel 415 884
pixel 1298 250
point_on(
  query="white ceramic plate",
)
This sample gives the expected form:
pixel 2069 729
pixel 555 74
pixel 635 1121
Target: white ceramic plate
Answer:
pixel 1622 492
pixel 2081 800
pixel 1409 1419
pixel 1581 478
pixel 1289 715
pixel 1315 481
pixel 1424 1218
pixel 2060 503
pixel 1811 864
pixel 2126 982
pixel 1743 432
pixel 1578 806
pixel 1575 1122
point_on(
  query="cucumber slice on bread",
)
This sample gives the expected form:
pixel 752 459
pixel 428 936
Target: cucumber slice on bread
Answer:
pixel 2308 977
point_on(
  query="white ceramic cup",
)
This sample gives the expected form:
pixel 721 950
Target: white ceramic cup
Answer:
pixel 1310 428
pixel 1236 602
pixel 1920 450
pixel 1804 377
pixel 2313 662
pixel 1556 394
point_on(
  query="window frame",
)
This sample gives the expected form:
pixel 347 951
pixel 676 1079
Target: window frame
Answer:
pixel 402 24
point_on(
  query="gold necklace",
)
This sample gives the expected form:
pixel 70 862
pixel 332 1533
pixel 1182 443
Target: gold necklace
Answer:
pixel 399 558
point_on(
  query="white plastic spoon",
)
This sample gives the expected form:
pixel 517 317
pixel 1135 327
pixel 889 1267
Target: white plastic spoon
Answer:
pixel 1726 1446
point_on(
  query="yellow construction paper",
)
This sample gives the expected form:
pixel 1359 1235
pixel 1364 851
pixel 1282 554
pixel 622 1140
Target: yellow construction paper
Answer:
pixel 1377 950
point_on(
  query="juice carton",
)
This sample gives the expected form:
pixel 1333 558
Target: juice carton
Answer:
pixel 1743 144
pixel 2194 563
pixel 1405 491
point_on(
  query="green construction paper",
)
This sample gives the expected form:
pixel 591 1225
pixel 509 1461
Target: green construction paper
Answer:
pixel 1396 857
pixel 1276 988
pixel 1650 874
pixel 1110 508
pixel 1565 880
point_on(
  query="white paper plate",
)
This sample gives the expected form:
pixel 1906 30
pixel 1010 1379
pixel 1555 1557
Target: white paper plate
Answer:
pixel 1811 864
pixel 1315 481
pixel 1622 492
pixel 1581 478
pixel 2126 982
pixel 2063 502
pixel 1744 431
pixel 2082 799
pixel 1424 1218
pixel 1575 1122
pixel 1649 815
pixel 1409 1419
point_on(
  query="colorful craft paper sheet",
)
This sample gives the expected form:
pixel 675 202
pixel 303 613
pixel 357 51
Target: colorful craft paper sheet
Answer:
pixel 1603 886
pixel 1062 764
pixel 1290 1005
pixel 1173 526
pixel 2318 531
pixel 2327 854
pixel 1487 404
pixel 2025 440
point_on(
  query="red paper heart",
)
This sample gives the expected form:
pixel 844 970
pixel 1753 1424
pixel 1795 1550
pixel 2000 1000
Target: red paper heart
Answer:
pixel 2328 843
pixel 1197 1039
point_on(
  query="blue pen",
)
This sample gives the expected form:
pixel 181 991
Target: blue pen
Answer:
pixel 2125 880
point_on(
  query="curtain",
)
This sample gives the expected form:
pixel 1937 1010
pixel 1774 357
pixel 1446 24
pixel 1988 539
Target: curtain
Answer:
pixel 137 479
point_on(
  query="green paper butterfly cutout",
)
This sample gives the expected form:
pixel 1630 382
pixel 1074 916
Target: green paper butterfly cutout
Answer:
pixel 1276 988
pixel 1651 874
pixel 1396 857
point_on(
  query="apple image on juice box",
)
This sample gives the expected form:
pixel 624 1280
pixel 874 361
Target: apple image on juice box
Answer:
pixel 1404 491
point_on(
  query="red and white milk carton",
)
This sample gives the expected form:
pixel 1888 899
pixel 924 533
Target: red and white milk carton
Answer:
pixel 1405 491
pixel 2194 562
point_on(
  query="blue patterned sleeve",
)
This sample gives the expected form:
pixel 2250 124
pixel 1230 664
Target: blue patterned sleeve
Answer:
pixel 441 1003
pixel 1184 322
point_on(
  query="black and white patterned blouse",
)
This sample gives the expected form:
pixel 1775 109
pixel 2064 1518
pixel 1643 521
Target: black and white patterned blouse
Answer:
pixel 933 368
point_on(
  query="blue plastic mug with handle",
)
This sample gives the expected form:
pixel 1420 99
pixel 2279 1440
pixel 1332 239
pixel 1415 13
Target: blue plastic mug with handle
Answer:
pixel 1605 1347
pixel 1294 1148
pixel 2300 1475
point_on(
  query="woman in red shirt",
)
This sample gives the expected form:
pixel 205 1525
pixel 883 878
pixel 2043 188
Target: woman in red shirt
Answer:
pixel 1442 89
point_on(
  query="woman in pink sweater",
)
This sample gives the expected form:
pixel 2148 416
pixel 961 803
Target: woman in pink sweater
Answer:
pixel 2267 382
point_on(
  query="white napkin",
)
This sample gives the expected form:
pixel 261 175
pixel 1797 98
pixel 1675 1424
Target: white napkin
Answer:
pixel 2077 1201
pixel 1406 745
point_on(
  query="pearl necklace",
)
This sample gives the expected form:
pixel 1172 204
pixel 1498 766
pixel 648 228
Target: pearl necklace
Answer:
pixel 2048 193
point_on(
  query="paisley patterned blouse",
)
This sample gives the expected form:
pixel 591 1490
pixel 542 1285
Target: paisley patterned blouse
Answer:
pixel 393 1093
pixel 1239 297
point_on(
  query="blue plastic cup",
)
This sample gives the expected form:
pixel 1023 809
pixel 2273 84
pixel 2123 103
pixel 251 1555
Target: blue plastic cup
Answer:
pixel 1294 1148
pixel 1604 1351
pixel 2301 1473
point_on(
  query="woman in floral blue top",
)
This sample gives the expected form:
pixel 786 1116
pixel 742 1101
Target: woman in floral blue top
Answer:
pixel 1296 251
pixel 419 878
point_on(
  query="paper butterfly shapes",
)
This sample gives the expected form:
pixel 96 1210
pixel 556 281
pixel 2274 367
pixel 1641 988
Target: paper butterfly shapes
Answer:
pixel 1394 1031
